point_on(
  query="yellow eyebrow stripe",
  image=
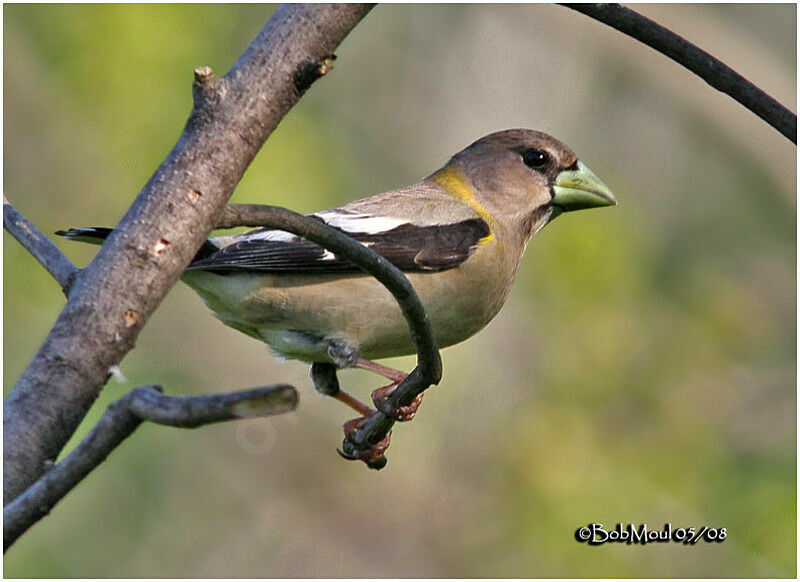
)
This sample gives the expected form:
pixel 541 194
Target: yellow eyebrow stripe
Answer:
pixel 456 185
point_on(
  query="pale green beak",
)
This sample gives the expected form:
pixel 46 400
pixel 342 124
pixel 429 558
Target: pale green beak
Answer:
pixel 581 188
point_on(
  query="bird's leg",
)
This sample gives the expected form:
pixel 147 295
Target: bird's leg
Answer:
pixel 346 356
pixel 395 376
pixel 323 376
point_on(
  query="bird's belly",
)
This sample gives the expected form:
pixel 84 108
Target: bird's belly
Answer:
pixel 298 314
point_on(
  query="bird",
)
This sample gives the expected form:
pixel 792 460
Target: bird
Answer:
pixel 458 235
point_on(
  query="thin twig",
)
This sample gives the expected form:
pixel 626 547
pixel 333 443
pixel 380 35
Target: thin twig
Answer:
pixel 41 247
pixel 120 419
pixel 429 363
pixel 711 70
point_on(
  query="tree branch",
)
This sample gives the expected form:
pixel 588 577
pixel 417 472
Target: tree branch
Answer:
pixel 429 363
pixel 711 70
pixel 161 232
pixel 42 249
pixel 118 422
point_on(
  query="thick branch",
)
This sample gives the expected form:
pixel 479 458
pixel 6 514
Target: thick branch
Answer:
pixel 118 422
pixel 42 249
pixel 711 70
pixel 159 235
pixel 429 363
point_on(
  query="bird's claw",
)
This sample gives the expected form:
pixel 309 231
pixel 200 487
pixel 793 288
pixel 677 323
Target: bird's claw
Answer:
pixel 399 413
pixel 373 456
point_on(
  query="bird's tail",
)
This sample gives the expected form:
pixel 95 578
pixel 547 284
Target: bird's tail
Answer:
pixel 94 236
pixel 97 234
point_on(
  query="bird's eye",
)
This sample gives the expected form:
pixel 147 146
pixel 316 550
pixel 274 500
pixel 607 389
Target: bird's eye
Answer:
pixel 535 158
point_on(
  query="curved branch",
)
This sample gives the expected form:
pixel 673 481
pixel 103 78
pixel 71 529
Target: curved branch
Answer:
pixel 163 229
pixel 711 70
pixel 42 249
pixel 118 422
pixel 429 363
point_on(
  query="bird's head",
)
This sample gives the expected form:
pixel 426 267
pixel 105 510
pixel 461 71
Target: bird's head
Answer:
pixel 525 178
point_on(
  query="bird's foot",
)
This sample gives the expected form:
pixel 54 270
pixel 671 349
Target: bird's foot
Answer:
pixel 399 413
pixel 372 456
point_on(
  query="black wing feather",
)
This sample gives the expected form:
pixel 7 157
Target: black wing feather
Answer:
pixel 409 247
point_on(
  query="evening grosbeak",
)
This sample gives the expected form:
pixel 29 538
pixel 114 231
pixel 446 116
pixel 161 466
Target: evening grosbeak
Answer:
pixel 458 235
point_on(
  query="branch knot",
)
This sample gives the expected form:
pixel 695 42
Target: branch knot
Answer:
pixel 307 73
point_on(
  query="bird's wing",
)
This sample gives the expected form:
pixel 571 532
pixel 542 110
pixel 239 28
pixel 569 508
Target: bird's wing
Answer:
pixel 410 244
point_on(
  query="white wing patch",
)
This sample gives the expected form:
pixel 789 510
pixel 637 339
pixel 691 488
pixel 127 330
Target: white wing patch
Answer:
pixel 273 235
pixel 362 223
pixel 348 222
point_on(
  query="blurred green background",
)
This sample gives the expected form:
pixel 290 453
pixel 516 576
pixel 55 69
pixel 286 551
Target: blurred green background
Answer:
pixel 643 369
